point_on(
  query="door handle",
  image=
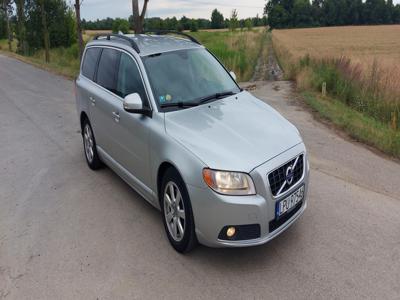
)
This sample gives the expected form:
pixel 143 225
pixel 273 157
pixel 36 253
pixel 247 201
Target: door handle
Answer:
pixel 116 116
pixel 92 100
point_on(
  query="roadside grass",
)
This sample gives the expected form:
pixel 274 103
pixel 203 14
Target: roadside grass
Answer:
pixel 357 125
pixel 4 45
pixel 365 92
pixel 63 61
pixel 237 50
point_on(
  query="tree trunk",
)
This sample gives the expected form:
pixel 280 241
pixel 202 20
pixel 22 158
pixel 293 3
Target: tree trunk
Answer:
pixel 138 19
pixel 22 45
pixel 79 27
pixel 8 28
pixel 45 32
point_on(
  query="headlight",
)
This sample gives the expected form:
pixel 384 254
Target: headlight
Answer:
pixel 229 183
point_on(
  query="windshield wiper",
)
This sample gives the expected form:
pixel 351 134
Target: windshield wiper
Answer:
pixel 180 104
pixel 215 96
pixel 200 101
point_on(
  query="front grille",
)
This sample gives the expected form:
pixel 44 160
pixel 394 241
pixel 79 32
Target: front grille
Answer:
pixel 278 177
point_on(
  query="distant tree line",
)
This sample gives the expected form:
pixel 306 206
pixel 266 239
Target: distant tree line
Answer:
pixel 303 13
pixel 217 21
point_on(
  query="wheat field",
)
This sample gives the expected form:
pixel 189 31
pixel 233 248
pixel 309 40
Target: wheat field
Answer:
pixel 362 44
pixel 373 49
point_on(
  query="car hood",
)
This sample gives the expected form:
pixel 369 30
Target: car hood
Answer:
pixel 237 133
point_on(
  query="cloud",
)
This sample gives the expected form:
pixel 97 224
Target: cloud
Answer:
pixel 99 9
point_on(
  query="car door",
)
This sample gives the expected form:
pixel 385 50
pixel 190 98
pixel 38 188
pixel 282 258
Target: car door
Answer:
pixel 132 129
pixel 86 88
pixel 103 98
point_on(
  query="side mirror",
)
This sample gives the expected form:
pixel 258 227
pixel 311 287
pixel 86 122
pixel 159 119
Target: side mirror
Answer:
pixel 133 104
pixel 233 75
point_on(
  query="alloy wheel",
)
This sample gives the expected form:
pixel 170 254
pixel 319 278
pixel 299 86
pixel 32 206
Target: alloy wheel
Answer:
pixel 174 211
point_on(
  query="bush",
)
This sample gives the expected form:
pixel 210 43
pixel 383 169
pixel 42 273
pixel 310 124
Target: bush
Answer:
pixel 193 26
pixel 120 25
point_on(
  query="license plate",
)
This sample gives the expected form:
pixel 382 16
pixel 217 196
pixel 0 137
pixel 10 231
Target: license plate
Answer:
pixel 290 202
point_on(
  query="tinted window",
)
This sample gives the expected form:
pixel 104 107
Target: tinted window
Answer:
pixel 107 72
pixel 129 79
pixel 90 61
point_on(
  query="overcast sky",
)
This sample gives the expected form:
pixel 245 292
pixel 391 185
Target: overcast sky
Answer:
pixel 99 9
pixel 93 9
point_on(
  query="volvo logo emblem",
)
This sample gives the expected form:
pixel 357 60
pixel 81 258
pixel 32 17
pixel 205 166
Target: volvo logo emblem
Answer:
pixel 289 175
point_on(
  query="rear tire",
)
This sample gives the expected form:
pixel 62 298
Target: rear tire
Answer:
pixel 89 146
pixel 177 212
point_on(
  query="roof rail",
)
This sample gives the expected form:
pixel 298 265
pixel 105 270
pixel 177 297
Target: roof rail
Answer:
pixel 164 32
pixel 120 36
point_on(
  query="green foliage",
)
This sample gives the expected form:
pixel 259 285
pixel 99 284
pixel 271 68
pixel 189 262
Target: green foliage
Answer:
pixel 193 26
pixel 174 24
pixel 249 24
pixel 300 13
pixel 234 22
pixel 217 20
pixel 60 20
pixel 120 25
pixel 3 25
pixel 103 24
pixel 185 23
pixel 234 49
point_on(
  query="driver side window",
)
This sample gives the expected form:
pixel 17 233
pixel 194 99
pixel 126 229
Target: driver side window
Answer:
pixel 129 79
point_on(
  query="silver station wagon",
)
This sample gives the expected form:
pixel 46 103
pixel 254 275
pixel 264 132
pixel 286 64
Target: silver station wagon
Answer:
pixel 159 109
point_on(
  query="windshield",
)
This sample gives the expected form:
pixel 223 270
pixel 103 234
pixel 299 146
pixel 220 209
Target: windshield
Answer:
pixel 187 77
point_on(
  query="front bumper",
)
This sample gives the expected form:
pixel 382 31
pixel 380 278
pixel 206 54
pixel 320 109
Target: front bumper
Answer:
pixel 213 211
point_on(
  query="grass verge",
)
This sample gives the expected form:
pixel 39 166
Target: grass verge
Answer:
pixel 359 126
pixel 63 61
pixel 237 50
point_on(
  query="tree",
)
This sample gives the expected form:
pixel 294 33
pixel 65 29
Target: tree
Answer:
pixel 233 22
pixel 375 12
pixel 278 16
pixel 302 13
pixel 120 25
pixel 22 46
pixel 249 24
pixel 316 12
pixel 185 23
pixel 60 21
pixel 396 14
pixel 138 19
pixel 6 8
pixel 77 6
pixel 217 20
pixel 194 26
pixel 46 38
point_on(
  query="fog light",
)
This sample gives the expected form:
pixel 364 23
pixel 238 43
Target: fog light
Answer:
pixel 230 232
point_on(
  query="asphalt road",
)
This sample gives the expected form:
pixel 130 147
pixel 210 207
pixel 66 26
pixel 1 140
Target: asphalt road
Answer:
pixel 69 233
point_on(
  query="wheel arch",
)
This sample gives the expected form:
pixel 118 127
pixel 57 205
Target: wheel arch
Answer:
pixel 164 166
pixel 82 118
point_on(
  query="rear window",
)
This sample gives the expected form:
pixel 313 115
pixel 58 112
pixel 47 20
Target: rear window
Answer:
pixel 89 62
pixel 108 69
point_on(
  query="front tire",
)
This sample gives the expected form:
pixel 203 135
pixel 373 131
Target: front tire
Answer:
pixel 89 146
pixel 177 212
